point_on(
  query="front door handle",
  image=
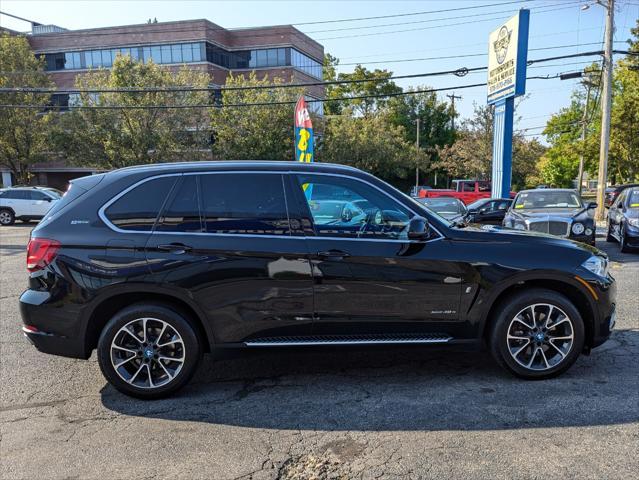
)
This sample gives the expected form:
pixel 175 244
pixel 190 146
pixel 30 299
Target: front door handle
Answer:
pixel 333 254
pixel 175 248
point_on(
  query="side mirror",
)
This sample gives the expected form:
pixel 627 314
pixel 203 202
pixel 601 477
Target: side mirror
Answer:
pixel 473 211
pixel 591 205
pixel 418 228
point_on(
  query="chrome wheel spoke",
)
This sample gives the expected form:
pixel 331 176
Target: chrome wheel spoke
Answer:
pixel 117 347
pixel 132 334
pixel 548 316
pixel 532 358
pixel 552 339
pixel 543 355
pixel 124 361
pixel 171 359
pixel 522 348
pixel 557 349
pixel 517 319
pixel 165 370
pixel 172 342
pixel 132 379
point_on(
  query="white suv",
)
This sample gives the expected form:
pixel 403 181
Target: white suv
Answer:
pixel 25 203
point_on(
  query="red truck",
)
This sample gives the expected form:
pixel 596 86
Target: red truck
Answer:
pixel 465 190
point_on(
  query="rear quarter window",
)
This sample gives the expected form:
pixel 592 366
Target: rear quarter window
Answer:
pixel 138 208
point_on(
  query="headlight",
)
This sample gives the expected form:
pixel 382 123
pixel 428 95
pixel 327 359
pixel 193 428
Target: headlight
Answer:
pixel 634 222
pixel 597 265
pixel 577 228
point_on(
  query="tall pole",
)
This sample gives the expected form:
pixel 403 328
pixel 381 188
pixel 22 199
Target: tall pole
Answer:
pixel 584 125
pixel 606 106
pixel 452 101
pixel 417 167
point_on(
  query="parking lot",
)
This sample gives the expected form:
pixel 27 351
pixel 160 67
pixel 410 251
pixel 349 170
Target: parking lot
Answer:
pixel 331 413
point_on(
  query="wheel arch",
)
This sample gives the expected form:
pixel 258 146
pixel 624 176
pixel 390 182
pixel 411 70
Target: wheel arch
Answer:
pixel 573 292
pixel 108 306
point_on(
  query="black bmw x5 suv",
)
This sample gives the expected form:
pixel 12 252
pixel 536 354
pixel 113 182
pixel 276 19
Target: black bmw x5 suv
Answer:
pixel 155 265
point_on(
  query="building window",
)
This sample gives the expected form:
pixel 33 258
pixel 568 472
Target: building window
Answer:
pixel 306 64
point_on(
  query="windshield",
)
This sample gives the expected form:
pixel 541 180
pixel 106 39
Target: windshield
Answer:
pixel 547 199
pixel 633 199
pixel 446 206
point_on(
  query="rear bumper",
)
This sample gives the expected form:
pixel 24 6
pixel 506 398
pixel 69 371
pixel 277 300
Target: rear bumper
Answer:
pixel 53 328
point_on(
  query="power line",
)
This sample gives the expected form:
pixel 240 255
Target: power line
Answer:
pixel 467 55
pixel 473 15
pixel 572 5
pixel 458 72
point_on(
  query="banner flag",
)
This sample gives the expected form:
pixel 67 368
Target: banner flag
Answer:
pixel 303 137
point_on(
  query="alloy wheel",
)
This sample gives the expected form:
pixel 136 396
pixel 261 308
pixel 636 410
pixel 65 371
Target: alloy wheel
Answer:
pixel 540 336
pixel 5 217
pixel 147 353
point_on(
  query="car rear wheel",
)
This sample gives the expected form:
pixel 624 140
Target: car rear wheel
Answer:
pixel 6 217
pixel 148 351
pixel 537 334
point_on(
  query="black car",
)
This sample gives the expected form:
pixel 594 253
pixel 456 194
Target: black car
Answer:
pixel 623 220
pixel 450 208
pixel 155 265
pixel 556 211
pixel 613 192
pixel 488 210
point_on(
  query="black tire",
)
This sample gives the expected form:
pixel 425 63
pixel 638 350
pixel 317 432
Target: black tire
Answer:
pixel 7 217
pixel 623 243
pixel 189 345
pixel 511 307
pixel 609 237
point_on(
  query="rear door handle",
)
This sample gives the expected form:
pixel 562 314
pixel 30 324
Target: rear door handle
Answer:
pixel 333 254
pixel 175 248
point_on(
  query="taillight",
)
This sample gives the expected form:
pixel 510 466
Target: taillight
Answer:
pixel 40 253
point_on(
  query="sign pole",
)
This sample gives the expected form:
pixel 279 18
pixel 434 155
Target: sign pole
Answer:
pixel 503 147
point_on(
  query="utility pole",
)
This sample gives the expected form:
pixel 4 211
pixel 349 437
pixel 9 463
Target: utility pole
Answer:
pixel 417 167
pixel 452 101
pixel 584 125
pixel 606 106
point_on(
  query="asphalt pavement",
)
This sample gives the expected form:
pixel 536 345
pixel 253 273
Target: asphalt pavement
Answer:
pixel 322 413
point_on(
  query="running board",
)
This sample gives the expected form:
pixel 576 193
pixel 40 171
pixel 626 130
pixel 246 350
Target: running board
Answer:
pixel 378 339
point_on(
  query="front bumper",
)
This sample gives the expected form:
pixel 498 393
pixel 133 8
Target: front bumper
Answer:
pixel 604 313
pixel 632 236
pixel 52 327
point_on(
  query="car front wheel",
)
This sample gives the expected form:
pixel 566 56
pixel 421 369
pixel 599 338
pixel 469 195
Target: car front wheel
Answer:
pixel 6 217
pixel 537 334
pixel 148 351
pixel 623 243
pixel 609 237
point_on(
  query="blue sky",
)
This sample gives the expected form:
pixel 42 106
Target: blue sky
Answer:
pixel 554 23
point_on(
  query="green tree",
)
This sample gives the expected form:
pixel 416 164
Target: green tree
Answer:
pixel 112 137
pixel 375 82
pixel 23 131
pixel 471 154
pixel 373 144
pixel 254 132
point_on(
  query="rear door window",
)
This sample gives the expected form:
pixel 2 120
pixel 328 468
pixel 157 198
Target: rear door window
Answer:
pixel 182 213
pixel 244 203
pixel 138 208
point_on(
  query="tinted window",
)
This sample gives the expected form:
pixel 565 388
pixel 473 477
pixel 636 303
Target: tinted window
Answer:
pixel 633 198
pixel 342 207
pixel 15 195
pixel 138 208
pixel 183 211
pixel 35 195
pixel 244 203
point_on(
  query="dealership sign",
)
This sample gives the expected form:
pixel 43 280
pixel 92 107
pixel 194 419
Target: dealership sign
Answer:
pixel 507 57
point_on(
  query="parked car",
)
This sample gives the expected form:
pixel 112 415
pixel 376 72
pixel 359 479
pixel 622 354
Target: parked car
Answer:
pixel 25 204
pixel 154 265
pixel 613 192
pixel 465 190
pixel 414 191
pixel 556 211
pixel 489 210
pixel 450 208
pixel 623 220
